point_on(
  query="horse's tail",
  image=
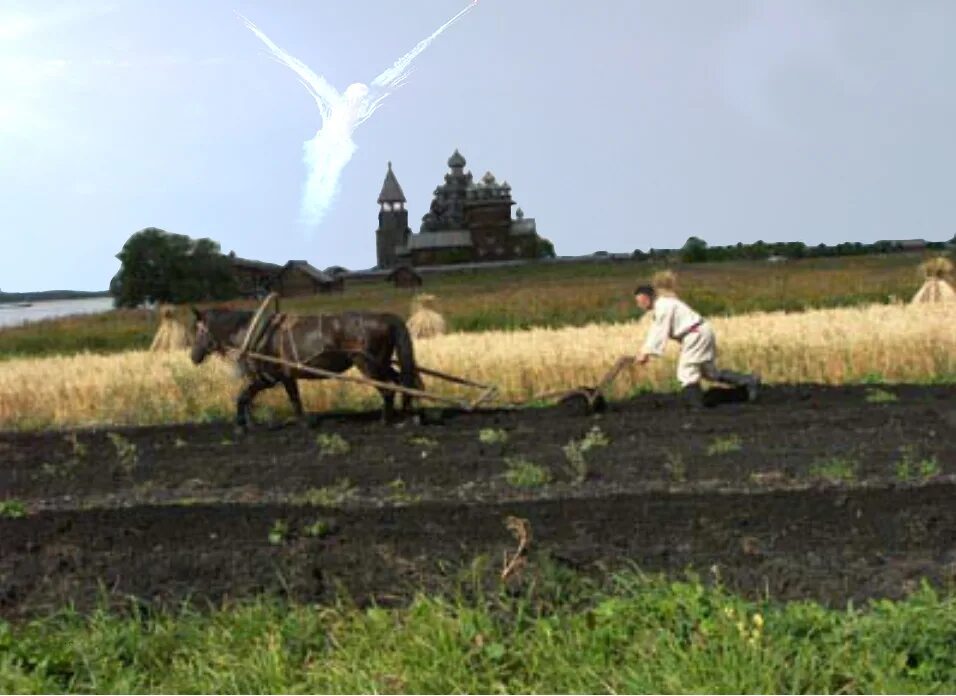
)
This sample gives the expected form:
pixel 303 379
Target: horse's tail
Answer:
pixel 406 353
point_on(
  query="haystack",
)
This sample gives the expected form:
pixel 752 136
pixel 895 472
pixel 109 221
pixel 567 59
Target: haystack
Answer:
pixel 937 274
pixel 424 321
pixel 665 283
pixel 171 335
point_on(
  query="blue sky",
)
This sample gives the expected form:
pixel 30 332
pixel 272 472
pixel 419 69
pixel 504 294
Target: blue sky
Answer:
pixel 619 125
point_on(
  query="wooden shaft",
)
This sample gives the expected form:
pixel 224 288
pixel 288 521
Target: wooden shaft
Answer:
pixel 254 324
pixel 614 372
pixel 447 377
pixel 358 380
pixel 484 396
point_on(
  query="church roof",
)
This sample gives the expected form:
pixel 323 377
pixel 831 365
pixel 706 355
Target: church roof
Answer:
pixel 391 191
pixel 456 160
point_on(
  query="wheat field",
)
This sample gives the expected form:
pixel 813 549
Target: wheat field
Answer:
pixel 893 343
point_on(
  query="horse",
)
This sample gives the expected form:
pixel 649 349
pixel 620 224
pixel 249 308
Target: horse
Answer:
pixel 333 342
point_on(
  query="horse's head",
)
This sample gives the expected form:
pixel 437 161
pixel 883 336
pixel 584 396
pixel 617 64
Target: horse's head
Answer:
pixel 205 341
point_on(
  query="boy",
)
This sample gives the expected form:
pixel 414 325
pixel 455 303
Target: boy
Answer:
pixel 674 319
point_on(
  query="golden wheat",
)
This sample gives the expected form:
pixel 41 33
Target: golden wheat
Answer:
pixel 899 343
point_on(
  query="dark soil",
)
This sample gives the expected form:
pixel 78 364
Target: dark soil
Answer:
pixel 830 493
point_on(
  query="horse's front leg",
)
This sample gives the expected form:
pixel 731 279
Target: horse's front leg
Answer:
pixel 244 403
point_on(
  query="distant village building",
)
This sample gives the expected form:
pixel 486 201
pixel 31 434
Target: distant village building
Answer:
pixel 302 278
pixel 404 277
pixel 887 245
pixel 256 279
pixel 911 244
pixel 467 222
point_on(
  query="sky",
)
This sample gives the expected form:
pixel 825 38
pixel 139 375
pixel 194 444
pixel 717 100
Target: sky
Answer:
pixel 619 124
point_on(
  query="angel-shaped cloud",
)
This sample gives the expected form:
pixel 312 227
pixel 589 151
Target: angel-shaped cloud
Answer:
pixel 330 150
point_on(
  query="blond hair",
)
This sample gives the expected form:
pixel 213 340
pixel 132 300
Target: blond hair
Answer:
pixel 665 283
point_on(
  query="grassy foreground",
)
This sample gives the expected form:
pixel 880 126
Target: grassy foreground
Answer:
pixel 562 634
pixel 892 343
pixel 547 295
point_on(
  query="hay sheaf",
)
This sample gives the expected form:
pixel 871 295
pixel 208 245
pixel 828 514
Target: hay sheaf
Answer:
pixel 171 334
pixel 424 321
pixel 937 287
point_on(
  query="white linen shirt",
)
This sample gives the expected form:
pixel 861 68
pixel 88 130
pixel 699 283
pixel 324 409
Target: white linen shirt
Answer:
pixel 672 319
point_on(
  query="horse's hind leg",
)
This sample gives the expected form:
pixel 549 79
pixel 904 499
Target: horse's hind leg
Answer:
pixel 391 375
pixel 292 389
pixel 388 405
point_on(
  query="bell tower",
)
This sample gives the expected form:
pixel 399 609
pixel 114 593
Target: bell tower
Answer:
pixel 393 230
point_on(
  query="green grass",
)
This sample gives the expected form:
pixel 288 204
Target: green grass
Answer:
pixel 423 441
pixel 880 396
pixel 724 445
pixel 332 444
pixel 398 493
pixel 912 467
pixel 546 295
pixel 12 508
pixel 557 634
pixel 492 436
pixel 328 496
pixel 835 469
pixel 524 474
pixel 279 532
pixel 576 450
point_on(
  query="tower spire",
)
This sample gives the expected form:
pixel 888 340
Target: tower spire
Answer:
pixel 391 191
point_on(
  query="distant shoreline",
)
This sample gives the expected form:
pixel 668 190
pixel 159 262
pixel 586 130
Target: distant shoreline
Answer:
pixel 50 295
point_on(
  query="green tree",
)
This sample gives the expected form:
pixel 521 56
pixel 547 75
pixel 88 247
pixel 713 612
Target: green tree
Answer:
pixel 694 250
pixel 544 249
pixel 158 266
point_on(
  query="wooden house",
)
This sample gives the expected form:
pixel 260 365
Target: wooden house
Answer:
pixel 299 278
pixel 404 277
pixel 253 278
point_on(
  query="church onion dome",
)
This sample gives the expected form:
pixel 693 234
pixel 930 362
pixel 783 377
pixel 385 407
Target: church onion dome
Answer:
pixel 456 160
pixel 391 191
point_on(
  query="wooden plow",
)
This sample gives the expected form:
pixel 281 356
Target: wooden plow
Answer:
pixel 584 399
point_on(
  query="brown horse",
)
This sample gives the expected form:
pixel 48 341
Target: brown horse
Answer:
pixel 333 342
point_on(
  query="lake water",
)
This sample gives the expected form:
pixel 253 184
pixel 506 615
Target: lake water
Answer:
pixel 11 315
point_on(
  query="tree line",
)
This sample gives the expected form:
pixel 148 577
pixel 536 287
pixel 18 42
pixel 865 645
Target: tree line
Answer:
pixel 696 250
